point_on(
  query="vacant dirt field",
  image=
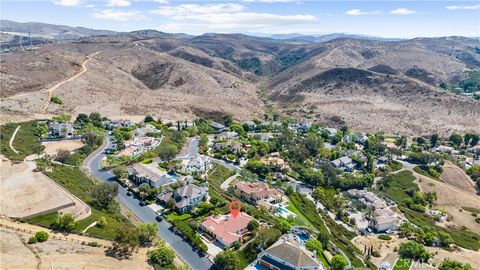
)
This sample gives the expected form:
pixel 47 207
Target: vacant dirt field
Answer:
pixel 452 198
pixel 455 176
pixel 384 247
pixel 59 254
pixel 462 255
pixel 51 148
pixel 26 193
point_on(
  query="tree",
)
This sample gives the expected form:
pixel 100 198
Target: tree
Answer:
pixel 433 140
pixel 444 238
pixel 41 236
pixel 253 225
pixel 226 260
pixel 126 240
pixel 96 119
pixel 148 119
pixel 65 222
pixel 167 150
pixel 82 118
pixel 401 141
pixel 474 140
pixel 283 226
pixel 324 238
pixel 104 193
pixel 430 197
pixel 289 190
pixel 338 262
pixel 162 255
pixel 448 264
pixel 120 171
pixel 406 229
pixel 414 250
pixel 102 222
pixel 171 204
pixel 62 155
pixel 227 120
pixel 421 140
pixel 314 245
pixel 146 232
pixel 456 139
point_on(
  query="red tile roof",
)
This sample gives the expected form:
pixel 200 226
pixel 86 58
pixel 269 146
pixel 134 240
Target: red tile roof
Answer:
pixel 226 228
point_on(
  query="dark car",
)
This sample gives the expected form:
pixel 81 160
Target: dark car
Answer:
pixel 129 193
pixel 142 203
pixel 159 218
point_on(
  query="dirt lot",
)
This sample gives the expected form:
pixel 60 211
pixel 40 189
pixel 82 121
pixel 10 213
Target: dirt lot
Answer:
pixel 455 176
pixel 25 192
pixel 59 254
pixel 452 198
pixel 462 255
pixel 51 148
pixel 384 247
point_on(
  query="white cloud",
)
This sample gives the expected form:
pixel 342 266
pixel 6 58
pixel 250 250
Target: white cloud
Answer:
pixel 161 1
pixel 187 9
pixel 269 1
pixel 118 15
pixel 118 3
pixel 403 11
pixel 224 17
pixel 358 12
pixel 67 2
pixel 474 7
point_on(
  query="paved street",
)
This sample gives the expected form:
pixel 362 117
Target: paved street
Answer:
pixel 145 214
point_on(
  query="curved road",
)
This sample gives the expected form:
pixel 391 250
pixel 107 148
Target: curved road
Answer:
pixel 147 215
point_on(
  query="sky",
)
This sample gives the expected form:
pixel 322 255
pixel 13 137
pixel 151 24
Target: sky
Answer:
pixel 387 18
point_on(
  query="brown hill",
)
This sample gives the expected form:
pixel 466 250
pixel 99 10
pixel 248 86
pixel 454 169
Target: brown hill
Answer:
pixel 368 84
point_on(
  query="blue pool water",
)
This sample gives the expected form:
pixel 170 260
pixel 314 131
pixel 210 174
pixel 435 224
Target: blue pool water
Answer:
pixel 284 212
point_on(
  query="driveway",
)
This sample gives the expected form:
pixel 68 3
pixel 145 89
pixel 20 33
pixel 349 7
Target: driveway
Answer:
pixel 147 215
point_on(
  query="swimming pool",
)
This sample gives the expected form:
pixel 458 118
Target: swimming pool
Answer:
pixel 284 212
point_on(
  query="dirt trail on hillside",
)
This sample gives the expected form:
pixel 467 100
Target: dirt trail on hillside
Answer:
pixel 50 90
pixel 11 141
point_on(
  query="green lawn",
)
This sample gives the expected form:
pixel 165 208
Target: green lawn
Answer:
pixel 402 181
pixel 76 182
pixel 301 219
pixel 26 141
pixel 402 264
pixel 173 216
pixel 218 174
pixel 424 172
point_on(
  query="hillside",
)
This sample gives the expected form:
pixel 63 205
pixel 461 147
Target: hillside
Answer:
pixel 175 76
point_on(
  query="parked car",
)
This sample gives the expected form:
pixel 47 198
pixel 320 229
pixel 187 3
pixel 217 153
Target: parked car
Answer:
pixel 142 203
pixel 159 218
pixel 129 193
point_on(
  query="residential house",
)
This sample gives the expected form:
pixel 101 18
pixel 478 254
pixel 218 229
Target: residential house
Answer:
pixel 121 123
pixel 382 162
pixel 274 160
pixel 138 145
pixel 227 135
pixel 217 126
pixel 199 164
pixel 186 197
pixel 331 132
pixel 230 146
pixel 143 131
pixel 227 230
pixel 345 164
pixel 151 174
pixel 258 194
pixel 385 219
pixel 263 137
pixel 288 254
pixel 444 149
pixel 60 130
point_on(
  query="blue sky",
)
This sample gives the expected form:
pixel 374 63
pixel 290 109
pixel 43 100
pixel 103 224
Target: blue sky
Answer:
pixel 393 19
